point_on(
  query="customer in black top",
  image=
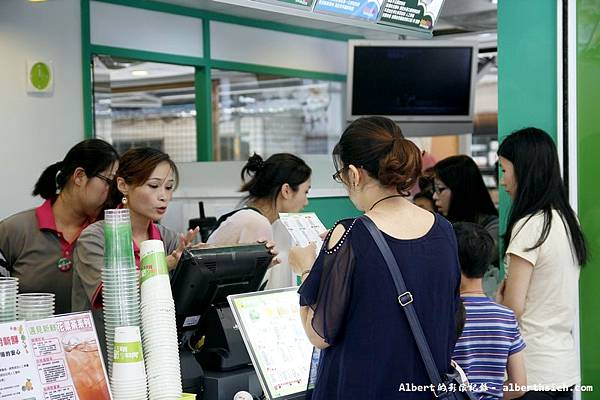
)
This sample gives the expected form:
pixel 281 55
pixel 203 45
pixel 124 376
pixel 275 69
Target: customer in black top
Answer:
pixel 349 301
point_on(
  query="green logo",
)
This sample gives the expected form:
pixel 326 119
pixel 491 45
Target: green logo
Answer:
pixel 40 75
pixel 153 264
pixel 129 352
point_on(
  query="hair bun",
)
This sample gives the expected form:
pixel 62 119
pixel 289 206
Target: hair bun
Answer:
pixel 255 163
pixel 401 166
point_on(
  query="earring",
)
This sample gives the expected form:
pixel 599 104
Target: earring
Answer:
pixel 124 200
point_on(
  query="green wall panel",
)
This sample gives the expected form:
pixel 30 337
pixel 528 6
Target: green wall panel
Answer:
pixel 332 209
pixel 526 71
pixel 588 131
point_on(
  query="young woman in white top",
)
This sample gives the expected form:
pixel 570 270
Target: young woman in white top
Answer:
pixel 544 248
pixel 279 184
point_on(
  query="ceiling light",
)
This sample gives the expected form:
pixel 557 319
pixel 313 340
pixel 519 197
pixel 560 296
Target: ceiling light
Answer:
pixel 139 72
pixel 37 1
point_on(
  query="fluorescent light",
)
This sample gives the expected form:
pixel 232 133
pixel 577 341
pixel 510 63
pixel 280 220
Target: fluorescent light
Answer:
pixel 37 1
pixel 139 72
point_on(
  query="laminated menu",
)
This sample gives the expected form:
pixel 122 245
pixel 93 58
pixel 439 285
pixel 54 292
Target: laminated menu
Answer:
pixel 19 379
pixel 304 228
pixel 63 352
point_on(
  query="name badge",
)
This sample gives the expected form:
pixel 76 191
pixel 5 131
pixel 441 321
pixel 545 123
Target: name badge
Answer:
pixel 65 264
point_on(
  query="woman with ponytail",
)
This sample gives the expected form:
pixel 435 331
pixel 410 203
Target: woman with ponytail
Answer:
pixel 349 303
pixel 36 245
pixel 279 184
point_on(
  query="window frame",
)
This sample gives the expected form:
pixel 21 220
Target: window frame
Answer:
pixel 203 65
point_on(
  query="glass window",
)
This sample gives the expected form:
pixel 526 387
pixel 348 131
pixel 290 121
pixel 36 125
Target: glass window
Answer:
pixel 140 103
pixel 269 114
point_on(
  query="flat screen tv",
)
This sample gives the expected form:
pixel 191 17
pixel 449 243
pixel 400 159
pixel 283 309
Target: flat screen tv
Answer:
pixel 412 81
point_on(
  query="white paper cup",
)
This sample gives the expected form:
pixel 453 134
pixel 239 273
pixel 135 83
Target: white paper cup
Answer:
pixel 128 357
pixel 154 273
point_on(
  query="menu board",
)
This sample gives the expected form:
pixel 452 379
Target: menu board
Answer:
pixel 361 9
pixel 411 14
pixel 281 353
pixel 65 358
pixel 19 378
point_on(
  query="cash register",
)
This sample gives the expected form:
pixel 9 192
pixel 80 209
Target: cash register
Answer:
pixel 214 361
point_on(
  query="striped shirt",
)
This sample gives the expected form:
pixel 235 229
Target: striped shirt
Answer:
pixel 490 336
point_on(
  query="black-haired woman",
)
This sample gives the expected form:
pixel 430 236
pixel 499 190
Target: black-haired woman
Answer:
pixel 279 184
pixel 36 245
pixel 544 248
pixel 461 196
pixel 144 184
pixel 349 300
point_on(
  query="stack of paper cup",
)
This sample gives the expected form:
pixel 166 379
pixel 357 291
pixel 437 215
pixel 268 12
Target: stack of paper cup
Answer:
pixel 31 306
pixel 120 294
pixel 128 378
pixel 158 322
pixel 8 299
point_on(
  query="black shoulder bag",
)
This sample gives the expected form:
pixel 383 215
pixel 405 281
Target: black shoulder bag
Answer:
pixel 450 386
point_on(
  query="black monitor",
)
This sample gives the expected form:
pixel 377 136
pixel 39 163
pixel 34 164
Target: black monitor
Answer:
pixel 428 87
pixel 205 277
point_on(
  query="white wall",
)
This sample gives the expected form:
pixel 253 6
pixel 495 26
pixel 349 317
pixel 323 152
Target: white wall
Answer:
pixel 278 49
pixel 37 131
pixel 135 28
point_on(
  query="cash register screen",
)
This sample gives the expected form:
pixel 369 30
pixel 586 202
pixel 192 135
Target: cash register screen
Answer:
pixel 269 322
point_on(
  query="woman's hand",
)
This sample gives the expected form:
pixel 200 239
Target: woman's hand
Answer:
pixel 272 250
pixel 185 240
pixel 301 259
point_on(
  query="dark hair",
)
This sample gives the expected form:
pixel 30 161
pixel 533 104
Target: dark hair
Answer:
pixel 93 155
pixel 539 187
pixel 475 248
pixel 426 183
pixel 424 195
pixel 268 176
pixel 470 198
pixel 376 144
pixel 135 167
pixel 460 318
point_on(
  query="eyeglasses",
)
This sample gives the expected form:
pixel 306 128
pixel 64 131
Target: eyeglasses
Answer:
pixel 338 175
pixel 106 179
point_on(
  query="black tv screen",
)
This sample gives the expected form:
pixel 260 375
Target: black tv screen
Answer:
pixel 412 81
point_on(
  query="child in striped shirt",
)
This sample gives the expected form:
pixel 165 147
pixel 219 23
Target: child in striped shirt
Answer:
pixel 491 343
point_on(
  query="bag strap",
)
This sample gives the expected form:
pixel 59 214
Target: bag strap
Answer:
pixel 405 298
pixel 224 217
